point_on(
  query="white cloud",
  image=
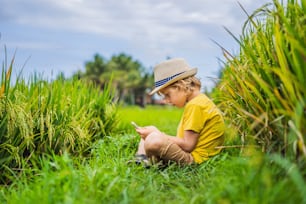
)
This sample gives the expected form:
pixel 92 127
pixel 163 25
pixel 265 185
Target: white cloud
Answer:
pixel 153 29
pixel 149 21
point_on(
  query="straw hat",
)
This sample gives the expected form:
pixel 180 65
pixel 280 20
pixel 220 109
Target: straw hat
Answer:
pixel 170 71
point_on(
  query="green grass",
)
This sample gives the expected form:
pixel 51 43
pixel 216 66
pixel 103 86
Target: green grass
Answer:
pixel 106 178
pixel 166 118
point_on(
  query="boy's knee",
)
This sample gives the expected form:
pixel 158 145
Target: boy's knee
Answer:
pixel 153 143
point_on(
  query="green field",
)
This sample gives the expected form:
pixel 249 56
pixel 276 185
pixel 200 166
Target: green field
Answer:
pixel 69 141
pixel 105 177
pixel 152 115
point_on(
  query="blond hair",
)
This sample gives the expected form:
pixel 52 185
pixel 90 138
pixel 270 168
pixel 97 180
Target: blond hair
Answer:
pixel 188 84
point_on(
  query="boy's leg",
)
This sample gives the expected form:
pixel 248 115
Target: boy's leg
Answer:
pixel 141 149
pixel 140 156
pixel 161 147
pixel 172 152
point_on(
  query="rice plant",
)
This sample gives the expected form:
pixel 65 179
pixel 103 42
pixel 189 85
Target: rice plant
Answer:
pixel 40 118
pixel 263 89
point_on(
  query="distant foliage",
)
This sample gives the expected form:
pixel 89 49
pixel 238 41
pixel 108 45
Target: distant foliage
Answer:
pixel 263 90
pixel 44 118
pixel 128 77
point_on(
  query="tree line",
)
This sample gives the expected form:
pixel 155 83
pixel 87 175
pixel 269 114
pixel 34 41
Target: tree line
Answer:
pixel 129 79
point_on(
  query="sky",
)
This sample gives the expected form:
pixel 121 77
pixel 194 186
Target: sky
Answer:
pixel 49 37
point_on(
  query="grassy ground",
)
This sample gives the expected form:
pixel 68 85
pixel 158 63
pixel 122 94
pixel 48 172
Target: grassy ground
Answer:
pixel 106 177
pixel 166 118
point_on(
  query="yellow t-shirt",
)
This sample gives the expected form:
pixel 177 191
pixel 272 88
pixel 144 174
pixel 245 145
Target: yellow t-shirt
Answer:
pixel 202 116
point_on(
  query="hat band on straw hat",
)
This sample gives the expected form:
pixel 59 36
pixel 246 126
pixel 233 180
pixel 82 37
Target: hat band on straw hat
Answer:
pixel 163 81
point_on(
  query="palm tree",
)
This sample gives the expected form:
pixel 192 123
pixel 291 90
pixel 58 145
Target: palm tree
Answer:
pixel 127 76
pixel 94 69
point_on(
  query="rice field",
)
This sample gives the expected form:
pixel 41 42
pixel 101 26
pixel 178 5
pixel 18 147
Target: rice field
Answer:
pixel 66 141
pixel 262 91
pixel 105 177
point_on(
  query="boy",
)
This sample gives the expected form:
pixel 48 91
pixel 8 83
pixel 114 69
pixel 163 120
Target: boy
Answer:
pixel 201 127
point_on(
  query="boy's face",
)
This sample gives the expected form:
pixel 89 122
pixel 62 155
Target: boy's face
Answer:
pixel 174 96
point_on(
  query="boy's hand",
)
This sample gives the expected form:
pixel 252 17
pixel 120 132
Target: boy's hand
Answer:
pixel 135 125
pixel 145 131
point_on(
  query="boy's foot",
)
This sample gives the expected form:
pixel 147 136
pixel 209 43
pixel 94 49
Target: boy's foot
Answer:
pixel 141 159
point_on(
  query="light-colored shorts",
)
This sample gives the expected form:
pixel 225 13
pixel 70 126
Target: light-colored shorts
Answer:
pixel 170 151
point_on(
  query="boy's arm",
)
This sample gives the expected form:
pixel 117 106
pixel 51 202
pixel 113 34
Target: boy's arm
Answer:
pixel 188 142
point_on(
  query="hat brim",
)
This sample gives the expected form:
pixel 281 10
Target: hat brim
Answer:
pixel 186 74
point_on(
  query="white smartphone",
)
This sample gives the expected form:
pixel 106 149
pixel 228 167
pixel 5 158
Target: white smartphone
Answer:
pixel 135 125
